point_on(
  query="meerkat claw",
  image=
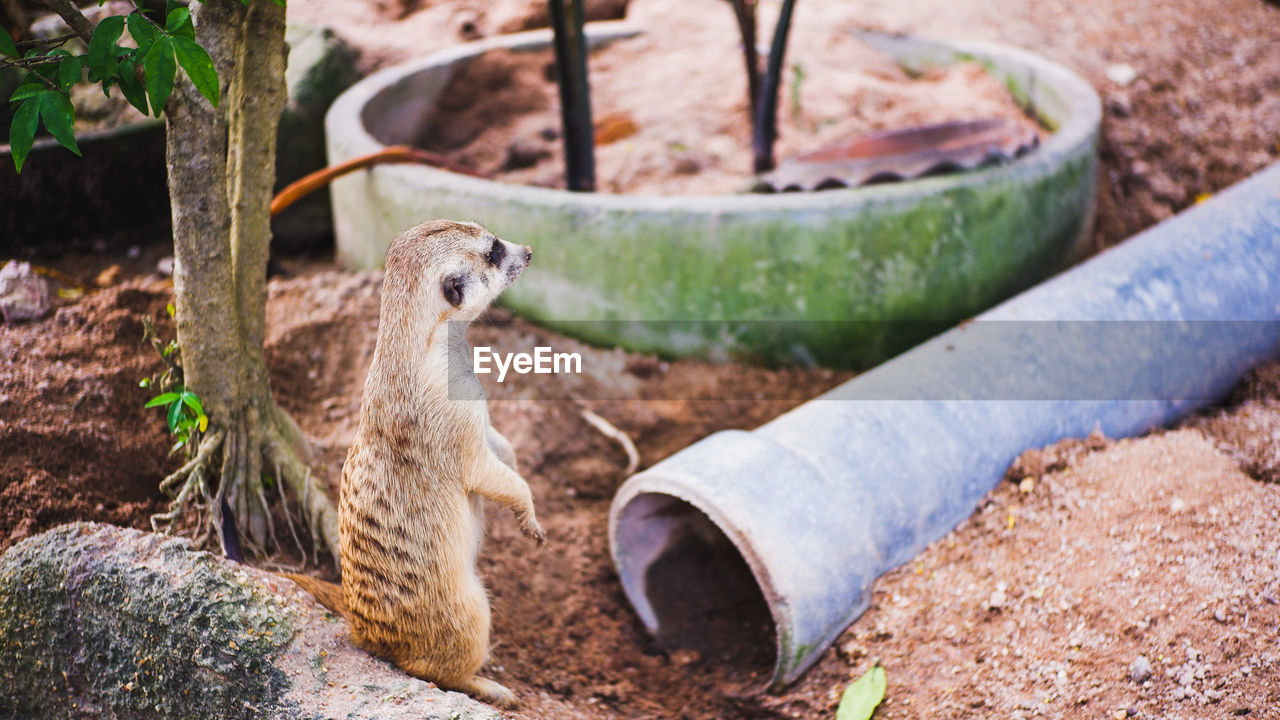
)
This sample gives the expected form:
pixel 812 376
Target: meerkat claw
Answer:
pixel 533 531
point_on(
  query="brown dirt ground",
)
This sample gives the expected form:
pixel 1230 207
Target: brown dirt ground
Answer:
pixel 1158 547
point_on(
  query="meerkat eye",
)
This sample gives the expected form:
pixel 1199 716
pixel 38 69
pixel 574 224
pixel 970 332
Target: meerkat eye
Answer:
pixel 496 253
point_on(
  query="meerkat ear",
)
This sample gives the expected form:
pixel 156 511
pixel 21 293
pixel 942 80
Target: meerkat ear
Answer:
pixel 453 287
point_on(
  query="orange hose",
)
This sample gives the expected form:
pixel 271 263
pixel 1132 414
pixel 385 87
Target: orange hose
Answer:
pixel 395 154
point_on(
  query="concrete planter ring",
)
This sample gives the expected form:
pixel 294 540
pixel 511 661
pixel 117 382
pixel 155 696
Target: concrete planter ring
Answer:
pixel 841 278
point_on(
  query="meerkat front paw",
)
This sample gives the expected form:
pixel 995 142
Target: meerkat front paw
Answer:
pixel 531 529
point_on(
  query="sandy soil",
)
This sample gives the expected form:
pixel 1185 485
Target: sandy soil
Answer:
pixel 501 114
pixel 1198 113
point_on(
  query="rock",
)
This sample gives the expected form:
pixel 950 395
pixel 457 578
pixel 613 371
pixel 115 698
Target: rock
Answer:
pixel 1140 669
pixel 321 65
pixel 999 598
pixel 24 295
pixel 523 153
pixel 1121 74
pixel 684 657
pixel 100 621
pixel 1120 105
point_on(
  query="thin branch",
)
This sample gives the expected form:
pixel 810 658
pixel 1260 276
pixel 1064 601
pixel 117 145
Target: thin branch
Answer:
pixel 766 120
pixel 569 39
pixel 607 429
pixel 42 42
pixel 27 64
pixel 72 16
pixel 745 11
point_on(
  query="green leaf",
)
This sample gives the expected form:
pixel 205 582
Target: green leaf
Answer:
pixel 26 90
pixel 192 401
pixel 862 697
pixel 178 23
pixel 69 71
pixel 59 116
pixel 23 130
pixel 175 416
pixel 102 48
pixel 160 69
pixel 6 44
pixel 199 67
pixel 164 399
pixel 141 30
pixel 130 87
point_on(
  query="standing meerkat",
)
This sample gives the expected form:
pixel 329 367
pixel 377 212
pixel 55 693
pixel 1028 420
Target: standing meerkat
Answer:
pixel 424 457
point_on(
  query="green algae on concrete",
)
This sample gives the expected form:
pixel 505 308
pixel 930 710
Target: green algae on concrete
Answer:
pixel 841 278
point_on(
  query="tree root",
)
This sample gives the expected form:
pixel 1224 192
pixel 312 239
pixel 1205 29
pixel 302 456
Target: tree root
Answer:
pixel 235 454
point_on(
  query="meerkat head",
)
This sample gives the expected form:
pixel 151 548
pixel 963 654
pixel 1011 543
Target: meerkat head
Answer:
pixel 453 269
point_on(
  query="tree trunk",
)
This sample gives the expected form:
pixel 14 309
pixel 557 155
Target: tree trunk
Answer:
pixel 221 166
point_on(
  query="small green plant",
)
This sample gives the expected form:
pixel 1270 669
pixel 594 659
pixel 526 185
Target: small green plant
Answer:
pixel 184 413
pixel 863 695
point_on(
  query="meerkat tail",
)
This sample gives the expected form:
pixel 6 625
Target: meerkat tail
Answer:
pixel 326 593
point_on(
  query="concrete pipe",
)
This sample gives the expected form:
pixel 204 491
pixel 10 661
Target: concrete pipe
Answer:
pixel 770 540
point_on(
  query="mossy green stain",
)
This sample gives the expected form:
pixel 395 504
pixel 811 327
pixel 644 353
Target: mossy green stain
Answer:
pixel 849 289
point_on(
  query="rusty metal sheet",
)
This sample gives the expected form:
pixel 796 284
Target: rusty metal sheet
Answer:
pixel 894 155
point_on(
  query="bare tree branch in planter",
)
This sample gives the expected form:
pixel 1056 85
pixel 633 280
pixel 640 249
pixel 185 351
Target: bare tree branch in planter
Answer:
pixel 567 20
pixel 221 164
pixel 745 12
pixel 763 96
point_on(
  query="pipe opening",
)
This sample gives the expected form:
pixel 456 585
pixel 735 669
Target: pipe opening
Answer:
pixel 691 586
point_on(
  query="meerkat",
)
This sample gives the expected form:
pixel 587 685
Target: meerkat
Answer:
pixel 423 459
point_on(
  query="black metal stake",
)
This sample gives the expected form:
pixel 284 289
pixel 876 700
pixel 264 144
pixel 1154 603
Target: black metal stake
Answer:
pixel 567 20
pixel 765 125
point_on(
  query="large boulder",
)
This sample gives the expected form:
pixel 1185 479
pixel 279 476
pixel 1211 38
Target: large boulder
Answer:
pixel 98 621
